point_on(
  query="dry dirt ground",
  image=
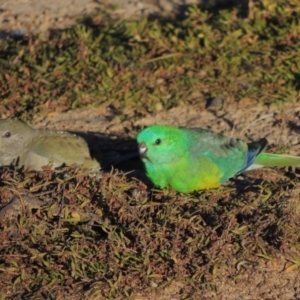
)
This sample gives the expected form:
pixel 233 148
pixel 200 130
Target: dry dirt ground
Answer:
pixel 39 16
pixel 281 126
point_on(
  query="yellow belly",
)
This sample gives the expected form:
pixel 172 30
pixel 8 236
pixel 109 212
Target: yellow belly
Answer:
pixel 201 175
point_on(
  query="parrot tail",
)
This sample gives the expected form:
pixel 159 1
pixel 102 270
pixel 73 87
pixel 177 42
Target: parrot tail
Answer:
pixel 254 150
pixel 277 160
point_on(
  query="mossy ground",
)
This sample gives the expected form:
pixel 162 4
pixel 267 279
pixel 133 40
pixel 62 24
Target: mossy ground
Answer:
pixel 118 237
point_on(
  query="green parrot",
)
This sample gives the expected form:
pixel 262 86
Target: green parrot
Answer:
pixel 190 159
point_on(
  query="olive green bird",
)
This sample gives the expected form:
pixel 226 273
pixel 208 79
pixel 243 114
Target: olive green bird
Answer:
pixel 190 159
pixel 22 145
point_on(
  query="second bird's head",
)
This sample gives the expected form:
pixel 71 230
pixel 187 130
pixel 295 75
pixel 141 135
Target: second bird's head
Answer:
pixel 15 135
pixel 160 144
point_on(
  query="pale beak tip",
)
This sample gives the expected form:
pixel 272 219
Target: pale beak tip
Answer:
pixel 143 150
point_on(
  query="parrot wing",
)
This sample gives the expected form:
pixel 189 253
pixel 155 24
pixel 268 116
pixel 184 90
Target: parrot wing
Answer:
pixel 231 155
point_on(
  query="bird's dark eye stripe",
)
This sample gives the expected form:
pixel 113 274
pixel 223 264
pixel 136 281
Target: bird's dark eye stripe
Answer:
pixel 158 142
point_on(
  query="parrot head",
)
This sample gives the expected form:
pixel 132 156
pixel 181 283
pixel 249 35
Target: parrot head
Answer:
pixel 161 144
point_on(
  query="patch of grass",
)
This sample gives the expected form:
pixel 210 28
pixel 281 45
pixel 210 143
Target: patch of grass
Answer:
pixel 157 64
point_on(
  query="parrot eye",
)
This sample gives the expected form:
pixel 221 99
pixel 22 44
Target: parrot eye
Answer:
pixel 158 142
pixel 7 134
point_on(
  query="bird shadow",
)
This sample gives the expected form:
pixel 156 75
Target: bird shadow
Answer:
pixel 116 152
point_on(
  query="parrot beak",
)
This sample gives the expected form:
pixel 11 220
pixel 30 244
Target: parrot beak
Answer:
pixel 143 150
